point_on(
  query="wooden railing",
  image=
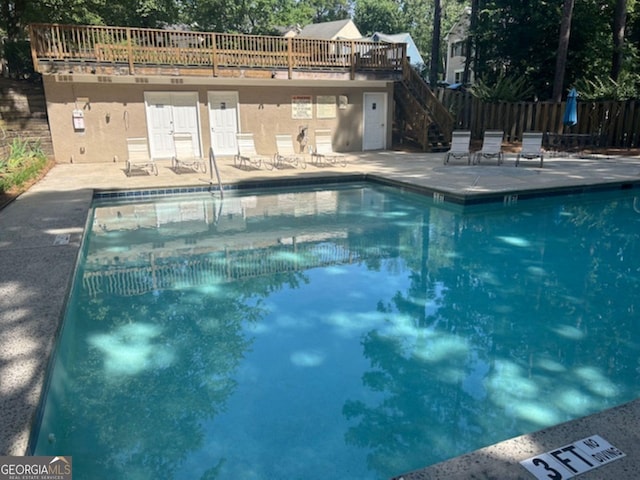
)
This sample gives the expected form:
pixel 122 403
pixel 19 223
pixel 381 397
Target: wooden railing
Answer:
pixel 134 47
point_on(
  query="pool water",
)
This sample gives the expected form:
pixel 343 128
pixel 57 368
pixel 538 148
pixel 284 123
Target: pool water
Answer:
pixel 338 332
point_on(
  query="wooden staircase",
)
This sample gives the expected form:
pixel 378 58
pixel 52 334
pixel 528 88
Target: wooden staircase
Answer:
pixel 420 118
pixel 23 115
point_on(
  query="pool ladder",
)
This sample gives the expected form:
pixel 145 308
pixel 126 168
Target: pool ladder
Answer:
pixel 213 166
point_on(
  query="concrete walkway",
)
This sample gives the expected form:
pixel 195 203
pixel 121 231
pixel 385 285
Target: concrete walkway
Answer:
pixel 41 231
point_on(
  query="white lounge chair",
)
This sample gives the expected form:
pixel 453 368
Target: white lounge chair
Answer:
pixel 491 146
pixel 247 156
pixel 185 154
pixel 286 153
pixel 531 147
pixel 459 149
pixel 138 156
pixel 324 153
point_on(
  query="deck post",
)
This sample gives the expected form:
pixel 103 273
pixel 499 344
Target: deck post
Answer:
pixel 130 52
pixel 290 57
pixel 34 56
pixel 214 55
pixel 354 59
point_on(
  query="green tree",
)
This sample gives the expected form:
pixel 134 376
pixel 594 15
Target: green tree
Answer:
pixel 415 17
pixel 521 40
pixel 327 10
pixel 378 16
pixel 13 13
pixel 517 39
pixel 16 15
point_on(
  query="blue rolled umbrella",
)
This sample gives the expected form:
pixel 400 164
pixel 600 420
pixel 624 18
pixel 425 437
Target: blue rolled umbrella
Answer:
pixel 571 110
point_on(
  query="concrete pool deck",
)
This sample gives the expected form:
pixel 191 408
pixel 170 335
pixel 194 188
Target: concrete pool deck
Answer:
pixel 41 232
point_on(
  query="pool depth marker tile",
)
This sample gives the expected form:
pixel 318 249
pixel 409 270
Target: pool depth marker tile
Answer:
pixel 573 459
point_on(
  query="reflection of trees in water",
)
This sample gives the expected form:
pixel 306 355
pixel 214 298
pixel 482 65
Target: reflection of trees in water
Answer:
pixel 155 368
pixel 412 426
pixel 495 300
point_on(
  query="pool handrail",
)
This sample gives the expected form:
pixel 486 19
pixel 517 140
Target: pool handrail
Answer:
pixel 213 166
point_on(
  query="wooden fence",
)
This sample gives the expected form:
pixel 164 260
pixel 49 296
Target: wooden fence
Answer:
pixel 614 124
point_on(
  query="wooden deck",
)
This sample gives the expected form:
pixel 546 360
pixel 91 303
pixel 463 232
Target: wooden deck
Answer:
pixel 140 51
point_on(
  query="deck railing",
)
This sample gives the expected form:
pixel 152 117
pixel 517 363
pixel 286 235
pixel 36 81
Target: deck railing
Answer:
pixel 228 265
pixel 134 47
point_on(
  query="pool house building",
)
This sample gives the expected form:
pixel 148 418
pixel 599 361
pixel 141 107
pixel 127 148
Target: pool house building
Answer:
pixel 106 84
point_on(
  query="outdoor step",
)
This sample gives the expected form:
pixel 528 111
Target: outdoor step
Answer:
pixel 30 123
pixel 23 104
pixel 16 117
pixel 42 138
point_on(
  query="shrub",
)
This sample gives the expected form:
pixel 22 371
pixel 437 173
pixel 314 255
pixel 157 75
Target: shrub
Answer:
pixel 627 87
pixel 25 161
pixel 505 89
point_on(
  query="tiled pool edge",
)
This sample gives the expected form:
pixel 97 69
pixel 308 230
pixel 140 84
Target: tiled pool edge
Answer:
pixel 477 198
pixel 438 195
pixel 128 194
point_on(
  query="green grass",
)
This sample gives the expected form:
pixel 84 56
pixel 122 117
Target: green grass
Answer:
pixel 25 161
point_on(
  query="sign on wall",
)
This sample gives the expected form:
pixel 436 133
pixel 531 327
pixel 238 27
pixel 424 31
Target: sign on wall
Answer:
pixel 301 106
pixel 326 106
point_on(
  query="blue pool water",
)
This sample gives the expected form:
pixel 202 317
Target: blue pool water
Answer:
pixel 337 332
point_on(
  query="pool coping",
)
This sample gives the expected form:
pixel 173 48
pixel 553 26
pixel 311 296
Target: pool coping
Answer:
pixel 619 419
pixel 440 195
pixel 617 425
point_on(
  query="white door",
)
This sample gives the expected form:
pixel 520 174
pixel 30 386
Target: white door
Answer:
pixel 223 118
pixel 169 113
pixel 375 121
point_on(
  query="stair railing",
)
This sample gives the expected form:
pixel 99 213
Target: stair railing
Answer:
pixel 425 96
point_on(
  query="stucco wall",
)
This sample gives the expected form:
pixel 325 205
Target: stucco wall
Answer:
pixel 114 111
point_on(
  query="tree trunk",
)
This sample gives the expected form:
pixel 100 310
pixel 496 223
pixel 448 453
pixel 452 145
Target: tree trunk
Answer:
pixel 619 25
pixel 563 48
pixel 472 47
pixel 435 45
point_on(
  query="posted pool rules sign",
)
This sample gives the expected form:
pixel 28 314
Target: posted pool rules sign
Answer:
pixel 574 459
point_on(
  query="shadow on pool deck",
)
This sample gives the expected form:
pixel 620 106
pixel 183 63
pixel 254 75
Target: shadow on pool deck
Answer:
pixel 40 236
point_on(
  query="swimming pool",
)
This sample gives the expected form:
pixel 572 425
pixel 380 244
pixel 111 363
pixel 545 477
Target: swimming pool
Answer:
pixel 333 332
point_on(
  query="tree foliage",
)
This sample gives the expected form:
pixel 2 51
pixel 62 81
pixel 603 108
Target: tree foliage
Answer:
pixel 625 88
pixel 373 16
pixel 509 45
pixel 415 17
pixel 510 39
pixel 520 39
